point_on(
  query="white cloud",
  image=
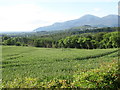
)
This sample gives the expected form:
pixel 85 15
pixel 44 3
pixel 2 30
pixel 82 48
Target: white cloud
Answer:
pixel 27 17
pixel 97 9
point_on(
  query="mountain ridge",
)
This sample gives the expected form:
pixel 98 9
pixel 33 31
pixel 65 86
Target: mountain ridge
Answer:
pixel 95 21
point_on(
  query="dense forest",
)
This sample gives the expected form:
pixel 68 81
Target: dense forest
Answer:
pixel 85 39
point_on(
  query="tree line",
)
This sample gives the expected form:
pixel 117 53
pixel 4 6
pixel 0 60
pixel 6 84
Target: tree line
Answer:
pixel 84 41
pixel 99 40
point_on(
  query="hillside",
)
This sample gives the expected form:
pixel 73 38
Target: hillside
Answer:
pixel 107 21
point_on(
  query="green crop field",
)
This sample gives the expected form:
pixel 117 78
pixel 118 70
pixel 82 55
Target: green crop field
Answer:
pixel 31 67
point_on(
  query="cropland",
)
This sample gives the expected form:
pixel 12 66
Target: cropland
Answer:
pixel 32 67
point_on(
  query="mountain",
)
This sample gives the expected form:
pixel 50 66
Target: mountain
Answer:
pixel 107 21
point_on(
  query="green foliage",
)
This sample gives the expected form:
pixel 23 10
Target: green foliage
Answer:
pixel 111 40
pixel 105 76
pixel 99 40
pixel 87 39
pixel 18 44
pixel 30 67
pixel 9 42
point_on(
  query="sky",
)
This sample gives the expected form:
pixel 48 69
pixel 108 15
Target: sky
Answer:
pixel 27 15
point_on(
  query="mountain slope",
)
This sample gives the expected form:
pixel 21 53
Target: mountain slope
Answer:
pixel 107 21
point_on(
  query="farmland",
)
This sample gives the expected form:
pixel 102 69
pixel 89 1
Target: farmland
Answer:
pixel 31 67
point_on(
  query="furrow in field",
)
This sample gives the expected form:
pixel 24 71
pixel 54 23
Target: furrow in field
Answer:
pixel 96 56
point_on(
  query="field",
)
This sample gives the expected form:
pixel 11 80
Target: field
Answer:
pixel 31 67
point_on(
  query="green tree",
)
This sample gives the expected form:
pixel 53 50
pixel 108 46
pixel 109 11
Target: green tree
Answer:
pixel 9 42
pixel 18 44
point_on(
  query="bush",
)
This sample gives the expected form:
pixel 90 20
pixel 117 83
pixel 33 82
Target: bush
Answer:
pixel 104 77
pixel 25 45
pixel 18 44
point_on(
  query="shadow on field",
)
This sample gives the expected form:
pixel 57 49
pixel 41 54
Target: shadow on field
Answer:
pixel 14 57
pixel 16 65
pixel 96 56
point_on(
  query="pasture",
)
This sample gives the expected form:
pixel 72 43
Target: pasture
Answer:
pixel 46 64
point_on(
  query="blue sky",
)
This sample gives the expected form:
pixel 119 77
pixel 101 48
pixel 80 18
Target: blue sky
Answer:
pixel 27 15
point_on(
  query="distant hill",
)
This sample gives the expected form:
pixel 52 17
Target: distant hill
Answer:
pixel 94 21
pixel 81 28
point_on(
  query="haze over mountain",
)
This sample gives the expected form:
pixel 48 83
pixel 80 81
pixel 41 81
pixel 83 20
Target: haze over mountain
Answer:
pixel 107 21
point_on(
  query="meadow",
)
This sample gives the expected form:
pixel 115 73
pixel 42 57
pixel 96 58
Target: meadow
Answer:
pixel 31 67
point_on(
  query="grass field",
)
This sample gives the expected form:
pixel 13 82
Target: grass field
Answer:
pixel 38 65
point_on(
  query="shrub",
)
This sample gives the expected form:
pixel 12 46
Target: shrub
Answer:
pixel 18 44
pixel 104 77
